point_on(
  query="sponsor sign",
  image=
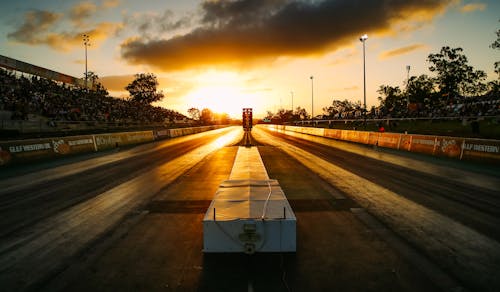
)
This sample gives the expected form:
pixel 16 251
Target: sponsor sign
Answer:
pixel 481 149
pixel 106 141
pixel 373 138
pixel 26 150
pixel 423 144
pixel 389 140
pixel 44 148
pixel 405 142
pixel 363 137
pixel 449 146
pixel 162 134
pixel 454 147
pixel 333 133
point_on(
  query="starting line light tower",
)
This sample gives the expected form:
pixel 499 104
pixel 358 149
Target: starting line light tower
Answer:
pixel 247 119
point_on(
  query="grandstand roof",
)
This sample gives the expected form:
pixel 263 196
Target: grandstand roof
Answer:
pixel 24 67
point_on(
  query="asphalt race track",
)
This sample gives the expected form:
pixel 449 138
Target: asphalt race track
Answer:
pixel 130 219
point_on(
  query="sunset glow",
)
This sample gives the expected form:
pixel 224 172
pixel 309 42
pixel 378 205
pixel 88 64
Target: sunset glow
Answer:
pixel 222 92
pixel 216 54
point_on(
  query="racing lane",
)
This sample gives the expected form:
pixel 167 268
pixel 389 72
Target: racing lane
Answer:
pixel 472 205
pixel 163 250
pixel 51 215
pixel 145 232
pixel 461 250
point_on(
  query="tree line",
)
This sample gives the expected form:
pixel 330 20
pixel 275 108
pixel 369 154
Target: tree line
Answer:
pixel 454 80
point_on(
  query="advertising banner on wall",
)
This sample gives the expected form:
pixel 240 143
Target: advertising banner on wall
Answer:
pixel 455 147
pixel 389 140
pixel 449 146
pixel 107 141
pixel 333 133
pixel 423 144
pixel 405 142
pixel 24 150
pixel 481 149
pixel 373 138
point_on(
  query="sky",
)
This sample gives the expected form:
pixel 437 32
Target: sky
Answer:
pixel 229 54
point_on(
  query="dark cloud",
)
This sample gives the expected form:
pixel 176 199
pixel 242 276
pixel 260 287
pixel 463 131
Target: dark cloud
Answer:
pixel 242 31
pixel 153 23
pixel 35 23
pixel 238 12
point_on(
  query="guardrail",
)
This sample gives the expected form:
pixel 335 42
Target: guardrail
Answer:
pixel 18 151
pixel 454 147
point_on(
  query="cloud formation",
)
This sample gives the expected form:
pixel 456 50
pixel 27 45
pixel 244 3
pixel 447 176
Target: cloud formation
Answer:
pixel 65 41
pixel 245 31
pixel 471 7
pixel 154 23
pixel 402 51
pixel 44 27
pixel 110 3
pixel 35 23
pixel 81 12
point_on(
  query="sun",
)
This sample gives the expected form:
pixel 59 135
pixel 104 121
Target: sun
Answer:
pixel 221 92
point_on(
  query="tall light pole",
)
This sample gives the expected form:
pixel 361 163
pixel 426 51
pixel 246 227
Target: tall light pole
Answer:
pixel 407 83
pixel 312 97
pixel 363 39
pixel 86 43
pixel 291 92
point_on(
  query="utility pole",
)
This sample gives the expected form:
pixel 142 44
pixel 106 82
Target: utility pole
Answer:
pixel 363 39
pixel 407 84
pixel 312 97
pixel 86 43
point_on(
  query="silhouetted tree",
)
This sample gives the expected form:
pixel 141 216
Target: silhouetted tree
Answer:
pixel 419 88
pixel 206 116
pixel 301 113
pixel 194 113
pixel 496 45
pixel 285 115
pixel 339 107
pixel 143 88
pixel 454 75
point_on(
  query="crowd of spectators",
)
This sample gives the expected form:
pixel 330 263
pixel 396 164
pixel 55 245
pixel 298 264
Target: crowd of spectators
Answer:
pixel 34 97
pixel 456 107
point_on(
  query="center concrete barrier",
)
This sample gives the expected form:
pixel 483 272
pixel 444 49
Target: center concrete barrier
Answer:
pixel 453 147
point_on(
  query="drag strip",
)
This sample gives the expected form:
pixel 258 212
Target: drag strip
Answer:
pixel 435 187
pixel 36 249
pixel 462 251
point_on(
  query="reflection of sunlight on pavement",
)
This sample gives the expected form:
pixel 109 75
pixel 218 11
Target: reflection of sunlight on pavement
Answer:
pixel 232 136
pixel 227 139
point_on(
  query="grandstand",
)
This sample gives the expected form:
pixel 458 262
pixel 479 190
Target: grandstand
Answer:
pixel 38 100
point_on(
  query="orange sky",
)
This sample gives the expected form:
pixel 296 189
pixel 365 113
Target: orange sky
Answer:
pixel 231 54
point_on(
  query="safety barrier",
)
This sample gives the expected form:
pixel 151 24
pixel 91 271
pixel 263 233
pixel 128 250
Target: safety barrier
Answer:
pixel 454 147
pixel 17 151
